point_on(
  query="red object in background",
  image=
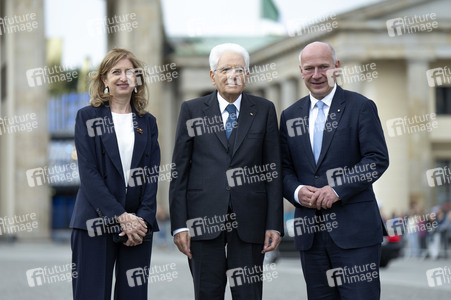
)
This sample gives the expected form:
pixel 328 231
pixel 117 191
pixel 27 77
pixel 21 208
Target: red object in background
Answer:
pixel 394 238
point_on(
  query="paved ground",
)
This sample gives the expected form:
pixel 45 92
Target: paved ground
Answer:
pixel 403 279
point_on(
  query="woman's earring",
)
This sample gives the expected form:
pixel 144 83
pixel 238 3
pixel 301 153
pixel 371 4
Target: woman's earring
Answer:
pixel 106 90
pixel 136 90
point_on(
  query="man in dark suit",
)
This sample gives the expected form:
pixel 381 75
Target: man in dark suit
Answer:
pixel 226 202
pixel 333 149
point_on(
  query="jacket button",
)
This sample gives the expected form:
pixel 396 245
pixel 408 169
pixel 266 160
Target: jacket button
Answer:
pixel 228 188
pixel 316 176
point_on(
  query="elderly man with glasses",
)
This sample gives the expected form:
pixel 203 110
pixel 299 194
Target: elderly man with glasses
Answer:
pixel 226 202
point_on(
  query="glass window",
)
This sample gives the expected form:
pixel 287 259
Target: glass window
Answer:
pixel 443 100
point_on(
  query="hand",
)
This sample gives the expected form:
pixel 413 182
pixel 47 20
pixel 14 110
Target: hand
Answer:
pixel 183 242
pixel 305 196
pixel 134 227
pixel 272 241
pixel 325 197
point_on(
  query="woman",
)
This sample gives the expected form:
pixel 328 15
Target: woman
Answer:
pixel 114 214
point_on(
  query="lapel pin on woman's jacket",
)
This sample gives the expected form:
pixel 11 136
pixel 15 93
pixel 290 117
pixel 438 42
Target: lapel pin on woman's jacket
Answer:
pixel 140 131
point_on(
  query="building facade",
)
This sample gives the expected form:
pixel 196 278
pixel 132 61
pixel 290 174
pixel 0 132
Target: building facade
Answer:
pixel 397 53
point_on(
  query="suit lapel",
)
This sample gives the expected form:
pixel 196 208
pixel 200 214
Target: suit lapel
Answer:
pixel 212 112
pixel 304 139
pixel 139 129
pixel 109 139
pixel 335 112
pixel 248 111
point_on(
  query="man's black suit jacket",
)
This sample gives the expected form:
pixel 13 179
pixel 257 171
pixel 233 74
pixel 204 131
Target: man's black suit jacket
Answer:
pixel 212 172
pixel 353 156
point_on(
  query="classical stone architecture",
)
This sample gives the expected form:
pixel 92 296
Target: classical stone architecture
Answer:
pixel 387 52
pixel 396 52
pixel 24 137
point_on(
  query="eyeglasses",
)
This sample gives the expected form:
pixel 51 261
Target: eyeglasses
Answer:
pixel 310 70
pixel 227 69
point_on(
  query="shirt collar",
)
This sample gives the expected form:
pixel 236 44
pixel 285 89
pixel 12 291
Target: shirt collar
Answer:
pixel 223 103
pixel 326 100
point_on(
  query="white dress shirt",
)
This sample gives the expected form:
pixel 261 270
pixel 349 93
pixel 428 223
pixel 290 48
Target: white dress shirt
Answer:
pixel 222 108
pixel 123 126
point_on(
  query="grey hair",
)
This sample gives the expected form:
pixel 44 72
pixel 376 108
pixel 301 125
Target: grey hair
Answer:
pixel 334 56
pixel 219 50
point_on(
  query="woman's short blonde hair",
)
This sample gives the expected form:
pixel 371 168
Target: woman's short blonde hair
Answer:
pixel 96 88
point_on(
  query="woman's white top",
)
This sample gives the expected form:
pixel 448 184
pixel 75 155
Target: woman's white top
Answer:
pixel 123 125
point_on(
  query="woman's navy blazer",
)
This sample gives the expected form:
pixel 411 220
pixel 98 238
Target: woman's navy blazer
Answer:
pixel 102 191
